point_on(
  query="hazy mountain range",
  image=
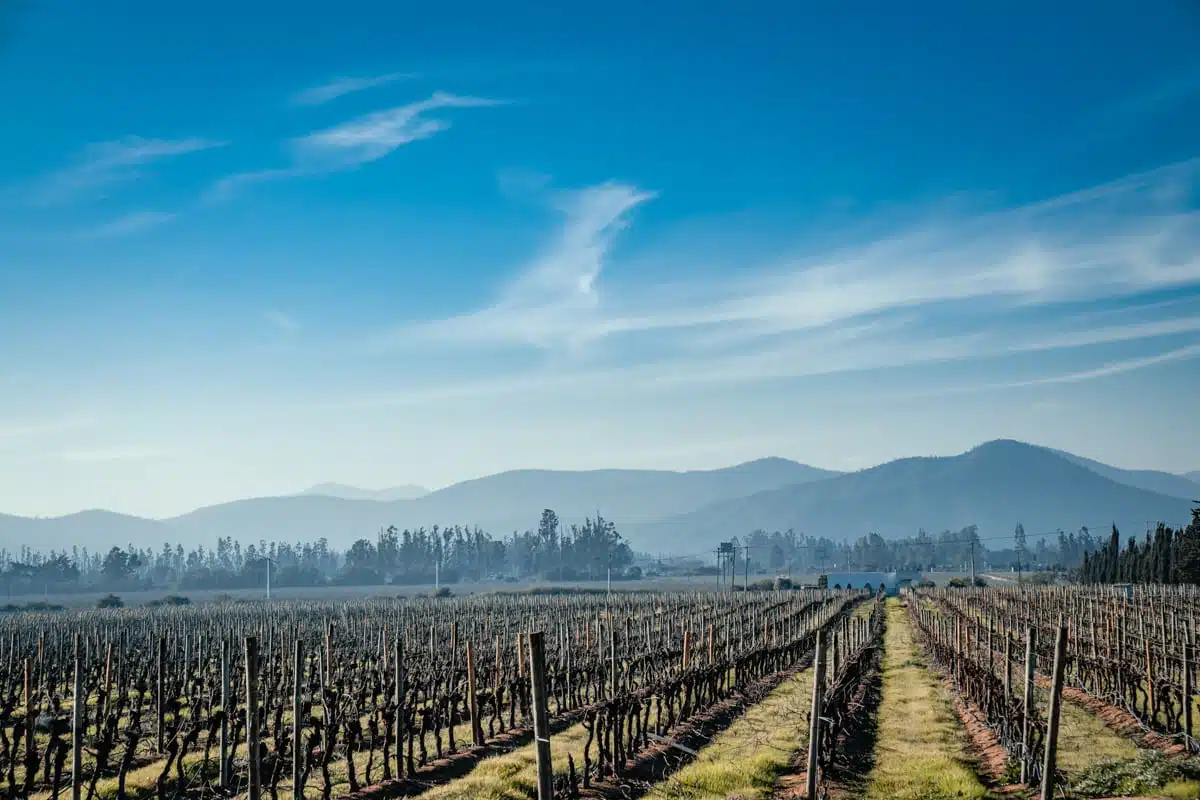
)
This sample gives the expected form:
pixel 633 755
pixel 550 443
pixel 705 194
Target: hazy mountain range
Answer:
pixel 407 492
pixel 994 486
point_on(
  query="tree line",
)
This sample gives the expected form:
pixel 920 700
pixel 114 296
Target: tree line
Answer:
pixel 1166 556
pixel 787 551
pixel 594 549
pixel 1163 556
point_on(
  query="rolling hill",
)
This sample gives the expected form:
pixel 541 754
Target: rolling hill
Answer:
pixel 1148 479
pixel 499 503
pixel 994 486
pixel 93 529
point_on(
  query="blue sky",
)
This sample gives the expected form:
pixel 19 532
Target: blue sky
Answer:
pixel 247 247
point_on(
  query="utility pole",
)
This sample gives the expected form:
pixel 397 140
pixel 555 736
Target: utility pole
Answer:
pixel 269 562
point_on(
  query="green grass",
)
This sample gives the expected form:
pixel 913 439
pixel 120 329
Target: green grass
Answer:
pixel 747 759
pixel 920 751
pixel 1083 738
pixel 512 776
pixel 1149 772
pixel 140 781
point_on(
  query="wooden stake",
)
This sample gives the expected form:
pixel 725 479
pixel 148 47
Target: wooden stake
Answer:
pixel 541 717
pixel 1060 659
pixel 252 741
pixel 297 726
pixel 1026 720
pixel 814 721
pixel 78 704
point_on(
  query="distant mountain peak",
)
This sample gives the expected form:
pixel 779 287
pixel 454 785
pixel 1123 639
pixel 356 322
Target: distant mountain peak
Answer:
pixel 1006 444
pixel 347 492
pixel 993 485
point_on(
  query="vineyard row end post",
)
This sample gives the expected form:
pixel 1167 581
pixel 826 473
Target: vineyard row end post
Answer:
pixel 814 724
pixel 1027 699
pixel 78 703
pixel 400 733
pixel 160 691
pixel 473 700
pixel 541 716
pixel 225 778
pixel 1060 658
pixel 297 727
pixel 252 744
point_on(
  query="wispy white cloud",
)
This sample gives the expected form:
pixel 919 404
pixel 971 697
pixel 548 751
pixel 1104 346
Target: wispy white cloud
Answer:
pixel 375 135
pixel 829 352
pixel 134 222
pixel 550 302
pixel 106 454
pixel 316 95
pixel 987 285
pixel 228 186
pixel 1109 368
pixel 1111 241
pixel 357 141
pixel 283 321
pixel 13 429
pixel 1112 368
pixel 104 164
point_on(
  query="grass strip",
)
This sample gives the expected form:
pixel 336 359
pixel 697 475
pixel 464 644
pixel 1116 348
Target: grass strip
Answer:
pixel 920 750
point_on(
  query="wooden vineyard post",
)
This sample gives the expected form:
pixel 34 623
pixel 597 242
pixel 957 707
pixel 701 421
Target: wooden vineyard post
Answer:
pixel 991 648
pixel 1149 677
pixel 614 676
pixel 473 700
pixel 1027 698
pixel 814 722
pixel 30 717
pixel 1060 657
pixel 78 703
pixel 541 717
pixel 108 659
pixel 1007 665
pixel 159 700
pixel 225 778
pixel 327 658
pixel 297 727
pixel 399 677
pixel 252 748
pixel 1187 689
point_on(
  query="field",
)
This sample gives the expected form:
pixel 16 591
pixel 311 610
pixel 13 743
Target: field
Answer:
pixel 344 593
pixel 688 694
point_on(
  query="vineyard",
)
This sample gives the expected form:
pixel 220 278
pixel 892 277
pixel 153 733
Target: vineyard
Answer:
pixel 1020 657
pixel 321 700
pixel 574 696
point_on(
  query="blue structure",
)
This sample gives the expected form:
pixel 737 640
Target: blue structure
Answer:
pixel 857 580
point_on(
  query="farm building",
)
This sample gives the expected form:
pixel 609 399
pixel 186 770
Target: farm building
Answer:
pixel 857 580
